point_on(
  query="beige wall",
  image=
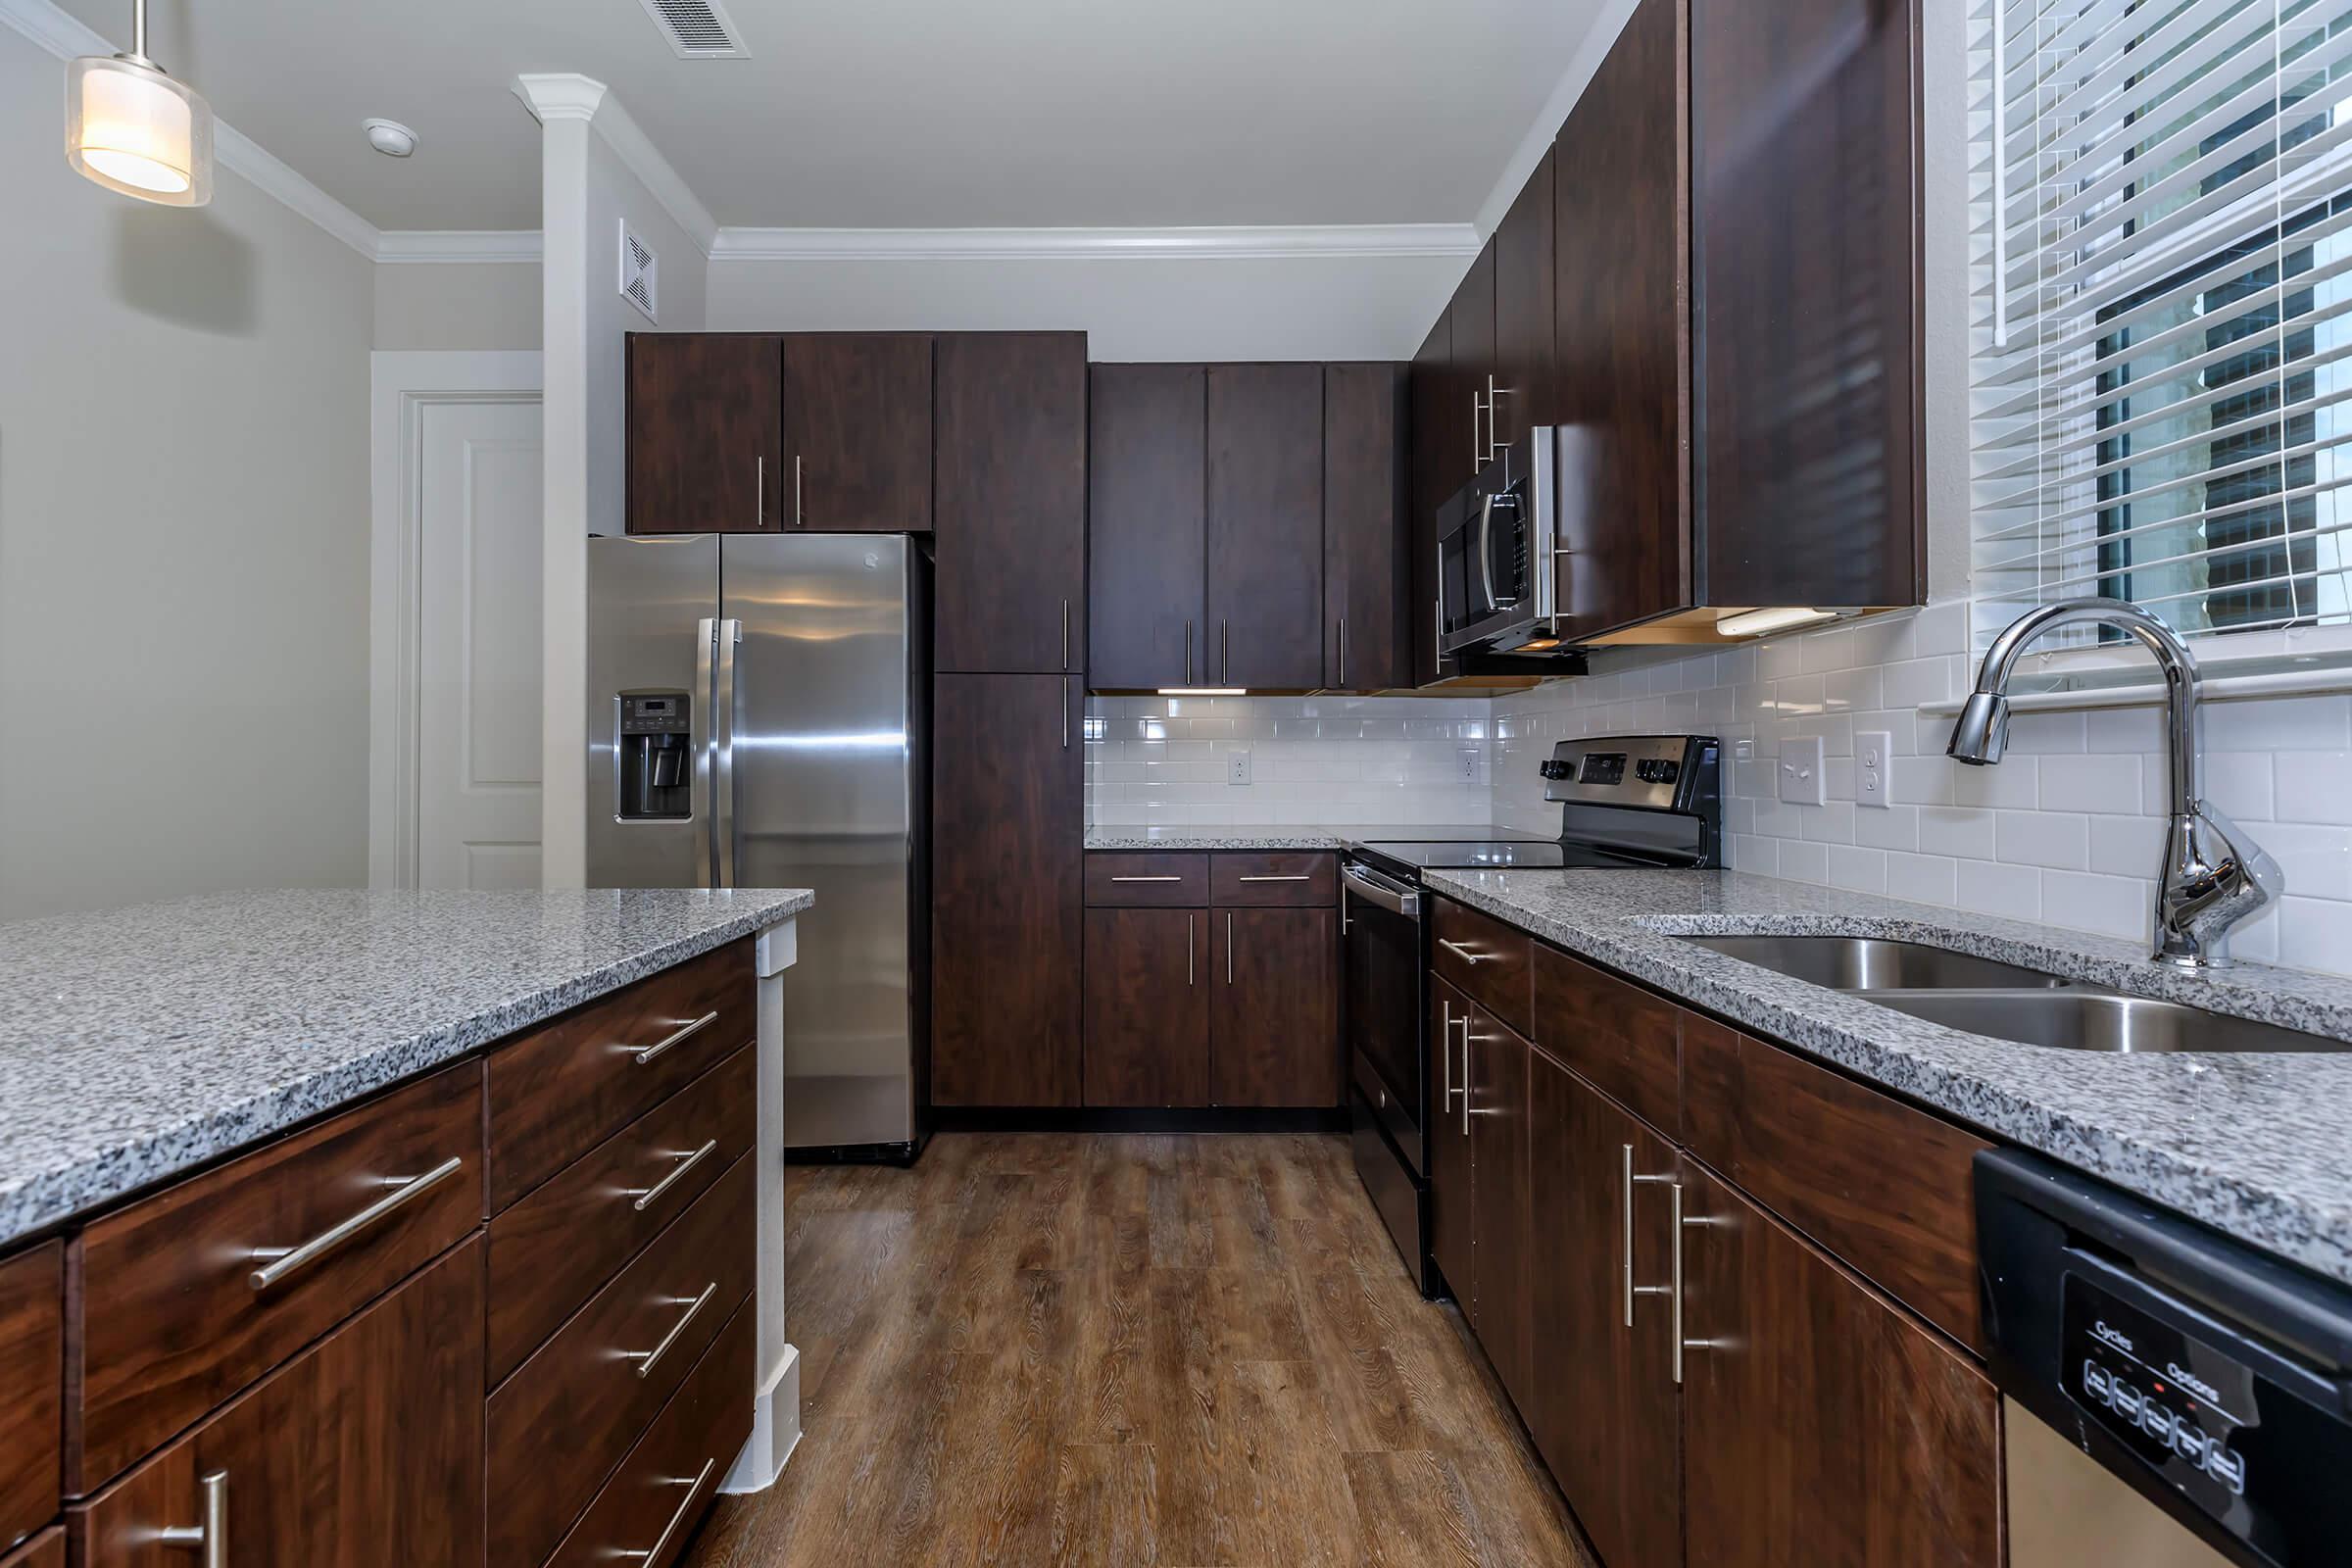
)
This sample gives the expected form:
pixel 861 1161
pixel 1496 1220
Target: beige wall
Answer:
pixel 183 534
pixel 456 305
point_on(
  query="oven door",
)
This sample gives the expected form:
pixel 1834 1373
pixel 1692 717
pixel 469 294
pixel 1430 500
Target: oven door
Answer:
pixel 1383 1007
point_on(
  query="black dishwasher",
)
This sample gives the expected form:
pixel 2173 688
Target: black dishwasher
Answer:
pixel 2215 1380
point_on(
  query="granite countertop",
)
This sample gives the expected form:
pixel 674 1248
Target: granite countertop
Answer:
pixel 141 1042
pixel 2259 1147
pixel 1288 835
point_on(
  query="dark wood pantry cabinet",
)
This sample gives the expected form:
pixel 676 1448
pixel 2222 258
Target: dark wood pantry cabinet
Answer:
pixel 1009 463
pixel 706 432
pixel 1006 890
pixel 1147 539
pixel 857 432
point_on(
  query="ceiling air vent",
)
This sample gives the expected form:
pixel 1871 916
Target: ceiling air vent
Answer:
pixel 639 272
pixel 697 29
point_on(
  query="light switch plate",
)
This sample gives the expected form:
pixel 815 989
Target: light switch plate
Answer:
pixel 1872 749
pixel 1802 767
pixel 1236 765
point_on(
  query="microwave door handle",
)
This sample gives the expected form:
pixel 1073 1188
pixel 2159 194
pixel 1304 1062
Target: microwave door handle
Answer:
pixel 1485 550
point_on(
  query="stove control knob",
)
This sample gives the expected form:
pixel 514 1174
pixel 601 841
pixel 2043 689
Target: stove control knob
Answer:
pixel 1555 768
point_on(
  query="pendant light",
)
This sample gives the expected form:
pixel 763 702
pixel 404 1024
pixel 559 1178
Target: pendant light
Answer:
pixel 133 129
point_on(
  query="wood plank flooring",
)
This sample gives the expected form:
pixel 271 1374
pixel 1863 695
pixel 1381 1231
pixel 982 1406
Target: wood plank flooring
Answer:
pixel 1181 1351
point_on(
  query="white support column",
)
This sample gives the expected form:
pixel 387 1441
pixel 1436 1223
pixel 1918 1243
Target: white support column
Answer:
pixel 777 1392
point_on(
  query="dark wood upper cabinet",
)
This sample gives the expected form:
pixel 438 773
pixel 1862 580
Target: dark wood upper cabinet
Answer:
pixel 1010 483
pixel 705 433
pixel 1495 1068
pixel 1805 248
pixel 1265 527
pixel 1622 364
pixel 1007 889
pixel 857 432
pixel 1604 1411
pixel 1148 986
pixel 1525 295
pixel 1437 432
pixel 1470 331
pixel 1148 525
pixel 1274 975
pixel 1367 592
pixel 1822 1428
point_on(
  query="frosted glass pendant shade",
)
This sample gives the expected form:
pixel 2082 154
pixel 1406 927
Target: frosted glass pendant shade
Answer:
pixel 133 129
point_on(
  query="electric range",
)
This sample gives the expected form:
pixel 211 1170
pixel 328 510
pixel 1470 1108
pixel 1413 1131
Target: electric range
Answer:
pixel 1626 802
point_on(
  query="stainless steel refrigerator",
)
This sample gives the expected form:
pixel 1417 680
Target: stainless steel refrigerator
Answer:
pixel 757 714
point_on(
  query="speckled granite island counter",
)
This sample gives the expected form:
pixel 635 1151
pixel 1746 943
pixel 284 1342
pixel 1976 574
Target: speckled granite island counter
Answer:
pixel 138 1043
pixel 2257 1146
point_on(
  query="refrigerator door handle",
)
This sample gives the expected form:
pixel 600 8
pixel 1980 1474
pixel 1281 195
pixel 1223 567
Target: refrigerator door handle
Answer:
pixel 698 789
pixel 726 706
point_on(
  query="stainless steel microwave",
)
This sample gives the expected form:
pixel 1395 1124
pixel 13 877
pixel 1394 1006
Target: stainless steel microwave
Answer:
pixel 1496 543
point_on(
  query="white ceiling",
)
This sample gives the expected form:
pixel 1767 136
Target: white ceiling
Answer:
pixel 904 113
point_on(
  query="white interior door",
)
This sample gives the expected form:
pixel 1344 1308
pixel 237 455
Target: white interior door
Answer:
pixel 478 646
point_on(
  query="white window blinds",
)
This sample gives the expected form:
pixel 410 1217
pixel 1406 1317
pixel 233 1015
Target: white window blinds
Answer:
pixel 2163 316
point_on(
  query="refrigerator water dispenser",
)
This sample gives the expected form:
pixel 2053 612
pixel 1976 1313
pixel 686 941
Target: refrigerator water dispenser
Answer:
pixel 655 756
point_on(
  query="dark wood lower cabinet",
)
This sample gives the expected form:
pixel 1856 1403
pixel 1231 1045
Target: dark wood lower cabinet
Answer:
pixel 31 1354
pixel 1604 1412
pixel 1494 1081
pixel 1274 1037
pixel 366 1450
pixel 44 1550
pixel 1007 889
pixel 1822 1426
pixel 1452 1203
pixel 1147 1007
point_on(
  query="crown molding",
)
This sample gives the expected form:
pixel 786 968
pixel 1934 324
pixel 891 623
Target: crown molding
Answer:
pixel 66 38
pixel 567 95
pixel 1092 244
pixel 422 245
pixel 1608 20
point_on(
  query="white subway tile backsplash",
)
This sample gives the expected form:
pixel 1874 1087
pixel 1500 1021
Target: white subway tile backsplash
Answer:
pixel 2065 829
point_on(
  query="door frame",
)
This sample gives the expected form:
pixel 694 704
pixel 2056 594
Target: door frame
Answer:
pixel 402 385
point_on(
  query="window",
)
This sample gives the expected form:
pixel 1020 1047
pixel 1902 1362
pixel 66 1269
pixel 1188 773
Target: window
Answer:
pixel 2162 395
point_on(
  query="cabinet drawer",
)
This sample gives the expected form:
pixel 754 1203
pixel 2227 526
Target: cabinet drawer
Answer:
pixel 1624 1041
pixel 559 1092
pixel 188 1296
pixel 32 1372
pixel 593 1388
pixel 1264 880
pixel 364 1451
pixel 645 1512
pixel 46 1550
pixel 1487 960
pixel 557 1246
pixel 1147 881
pixel 1879 1184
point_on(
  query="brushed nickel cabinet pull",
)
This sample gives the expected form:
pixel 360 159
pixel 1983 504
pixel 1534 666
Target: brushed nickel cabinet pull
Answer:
pixel 796 490
pixel 654 1193
pixel 665 1042
pixel 1188 653
pixel 326 1240
pixel 1278 879
pixel 1464 953
pixel 1343 650
pixel 759 492
pixel 209 1537
pixel 1187 950
pixel 1146 879
pixel 1464 1021
pixel 1066 712
pixel 1632 1289
pixel 1066 634
pixel 646 1359
pixel 1445 1054
pixel 693 1490
pixel 1228 947
pixel 1224 651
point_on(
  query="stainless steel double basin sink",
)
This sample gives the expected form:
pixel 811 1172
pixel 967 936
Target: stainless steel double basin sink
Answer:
pixel 1985 997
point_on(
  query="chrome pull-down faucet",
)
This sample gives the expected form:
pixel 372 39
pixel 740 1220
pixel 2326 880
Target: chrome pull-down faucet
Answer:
pixel 2214 876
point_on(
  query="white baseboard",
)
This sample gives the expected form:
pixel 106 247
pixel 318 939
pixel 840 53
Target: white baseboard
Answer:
pixel 775 1430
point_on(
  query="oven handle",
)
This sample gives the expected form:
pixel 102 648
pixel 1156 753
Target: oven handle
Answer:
pixel 1375 889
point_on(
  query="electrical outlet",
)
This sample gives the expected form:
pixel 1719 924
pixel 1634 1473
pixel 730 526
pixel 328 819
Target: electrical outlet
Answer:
pixel 1236 765
pixel 1802 767
pixel 1470 764
pixel 1872 749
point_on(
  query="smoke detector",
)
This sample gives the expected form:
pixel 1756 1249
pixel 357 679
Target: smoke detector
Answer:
pixel 697 29
pixel 389 137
